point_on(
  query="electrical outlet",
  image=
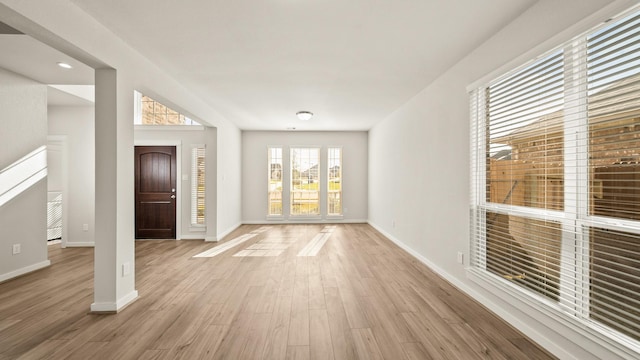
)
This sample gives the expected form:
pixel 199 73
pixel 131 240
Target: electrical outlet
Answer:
pixel 85 227
pixel 16 249
pixel 393 223
pixel 126 269
pixel 460 257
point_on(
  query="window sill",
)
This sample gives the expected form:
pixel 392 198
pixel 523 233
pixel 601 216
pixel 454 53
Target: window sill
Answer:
pixel 304 217
pixel 334 217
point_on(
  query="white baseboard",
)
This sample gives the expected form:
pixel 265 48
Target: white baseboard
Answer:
pixel 192 237
pixel 114 307
pixel 24 270
pixel 281 221
pixel 80 244
pixel 212 238
pixel 103 307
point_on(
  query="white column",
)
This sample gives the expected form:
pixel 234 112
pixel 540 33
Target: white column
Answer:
pixel 114 281
pixel 211 184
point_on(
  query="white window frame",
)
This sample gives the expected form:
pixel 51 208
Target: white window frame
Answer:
pixel 137 113
pixel 283 178
pixel 323 189
pixel 341 214
pixel 293 216
pixel 574 218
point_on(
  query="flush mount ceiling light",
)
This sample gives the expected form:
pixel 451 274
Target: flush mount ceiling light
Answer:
pixel 304 115
pixel 64 65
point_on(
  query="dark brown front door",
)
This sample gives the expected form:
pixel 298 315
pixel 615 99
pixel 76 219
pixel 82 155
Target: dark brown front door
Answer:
pixel 155 192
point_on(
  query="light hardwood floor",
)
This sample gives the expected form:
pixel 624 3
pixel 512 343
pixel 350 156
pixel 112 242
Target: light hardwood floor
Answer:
pixel 361 297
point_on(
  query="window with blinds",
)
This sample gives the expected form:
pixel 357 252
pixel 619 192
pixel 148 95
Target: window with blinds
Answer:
pixel 198 185
pixel 556 179
pixel 274 181
pixel 334 181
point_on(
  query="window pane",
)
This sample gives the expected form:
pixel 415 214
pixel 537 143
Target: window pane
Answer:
pixel 156 113
pixel 614 119
pixel 615 280
pixel 305 181
pixel 525 137
pixel 198 186
pixel 275 181
pixel 173 119
pixel 147 110
pixel 334 191
pixel 613 72
pixel 525 251
pixel 160 114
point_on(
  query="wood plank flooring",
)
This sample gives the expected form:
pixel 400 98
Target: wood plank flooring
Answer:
pixel 360 297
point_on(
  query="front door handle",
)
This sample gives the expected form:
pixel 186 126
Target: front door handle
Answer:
pixel 173 196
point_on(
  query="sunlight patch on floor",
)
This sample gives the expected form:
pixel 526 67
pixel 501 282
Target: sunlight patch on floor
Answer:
pixel 270 246
pixel 267 247
pixel 231 243
pixel 315 245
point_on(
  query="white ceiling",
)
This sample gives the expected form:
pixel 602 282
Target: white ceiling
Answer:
pixel 26 56
pixel 350 62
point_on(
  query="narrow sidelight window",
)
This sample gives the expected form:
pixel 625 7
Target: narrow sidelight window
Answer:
pixel 198 185
pixel 274 181
pixel 334 181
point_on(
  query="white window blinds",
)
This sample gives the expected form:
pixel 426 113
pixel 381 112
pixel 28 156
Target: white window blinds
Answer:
pixel 555 205
pixel 198 185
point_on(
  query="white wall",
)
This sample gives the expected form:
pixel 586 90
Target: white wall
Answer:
pixel 229 179
pixel 64 26
pixel 23 220
pixel 254 169
pixel 55 176
pixel 184 139
pixel 427 140
pixel 77 125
